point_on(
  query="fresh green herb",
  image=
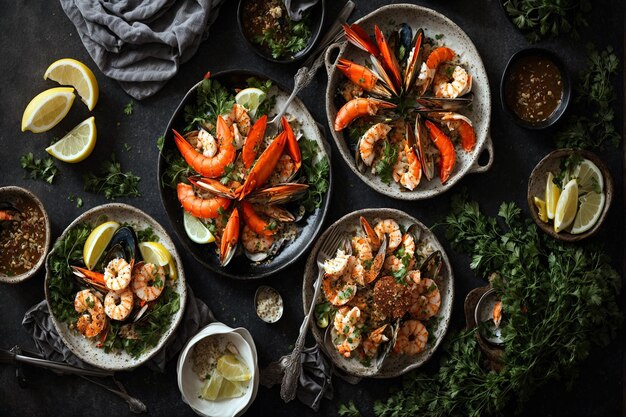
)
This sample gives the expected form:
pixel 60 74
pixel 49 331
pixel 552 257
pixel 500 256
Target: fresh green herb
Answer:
pixel 568 166
pixel 176 170
pixel 129 107
pixel 212 100
pixel 158 282
pixel 345 294
pixel 90 302
pixel 147 235
pixel 39 169
pixel 112 181
pixel 356 131
pixel 270 99
pixel 384 166
pixel 594 127
pixel 160 142
pixel 231 174
pixel 348 411
pixel 322 314
pixel 439 36
pixel 317 174
pixel 127 147
pixel 541 19
pixel 78 200
pixel 560 299
pixel 294 38
pixel 367 264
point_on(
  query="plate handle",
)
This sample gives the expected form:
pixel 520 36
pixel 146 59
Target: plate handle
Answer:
pixel 476 168
pixel 328 57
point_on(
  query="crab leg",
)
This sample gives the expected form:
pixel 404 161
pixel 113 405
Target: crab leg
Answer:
pixel 230 237
pixel 253 141
pixel 264 166
pixel 293 149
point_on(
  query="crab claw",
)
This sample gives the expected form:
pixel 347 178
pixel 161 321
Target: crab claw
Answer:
pixel 264 166
pixel 253 141
pixel 230 237
pixel 292 144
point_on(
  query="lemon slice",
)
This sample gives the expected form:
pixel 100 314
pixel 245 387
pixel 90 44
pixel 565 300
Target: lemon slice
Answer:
pixel 589 177
pixel 97 241
pixel 77 144
pixel 196 230
pixel 231 389
pixel 589 211
pixel 541 209
pixel 566 207
pixel 211 389
pixel 69 71
pixel 156 253
pixel 552 195
pixel 47 109
pixel 233 368
pixel 250 98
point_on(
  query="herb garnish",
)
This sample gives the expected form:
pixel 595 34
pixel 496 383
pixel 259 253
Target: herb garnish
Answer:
pixel 560 300
pixel 78 200
pixel 176 170
pixel 211 100
pixel 39 169
pixel 270 99
pixel 293 39
pixel 112 181
pixel 129 107
pixel 147 235
pixel 594 128
pixel 350 410
pixel 317 174
pixel 384 166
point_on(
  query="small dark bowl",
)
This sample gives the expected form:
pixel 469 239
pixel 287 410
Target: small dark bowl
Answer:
pixel 537 187
pixel 316 16
pixel 567 88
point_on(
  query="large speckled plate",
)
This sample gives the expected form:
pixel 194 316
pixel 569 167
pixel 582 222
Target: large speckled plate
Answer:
pixel 86 349
pixel 433 23
pixel 394 365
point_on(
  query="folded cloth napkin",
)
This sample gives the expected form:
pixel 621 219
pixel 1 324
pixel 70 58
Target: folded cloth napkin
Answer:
pixel 38 323
pixel 141 43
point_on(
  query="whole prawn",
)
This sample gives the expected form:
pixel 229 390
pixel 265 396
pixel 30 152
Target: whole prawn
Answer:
pixel 446 151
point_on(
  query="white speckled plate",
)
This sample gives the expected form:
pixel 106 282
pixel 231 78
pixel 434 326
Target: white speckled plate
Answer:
pixel 433 23
pixel 86 349
pixel 393 365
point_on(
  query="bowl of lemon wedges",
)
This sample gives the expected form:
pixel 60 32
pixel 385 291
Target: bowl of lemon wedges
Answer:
pixel 51 106
pixel 569 194
pixel 218 375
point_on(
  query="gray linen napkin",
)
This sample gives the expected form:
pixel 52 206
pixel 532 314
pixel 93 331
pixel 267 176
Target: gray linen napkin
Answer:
pixel 38 323
pixel 141 43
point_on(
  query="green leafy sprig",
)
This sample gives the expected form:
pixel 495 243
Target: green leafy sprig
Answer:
pixel 560 300
pixel 384 166
pixel 39 169
pixel 112 181
pixel 317 174
pixel 211 100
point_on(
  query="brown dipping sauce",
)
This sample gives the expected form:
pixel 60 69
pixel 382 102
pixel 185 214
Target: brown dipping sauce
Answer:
pixel 534 88
pixel 23 239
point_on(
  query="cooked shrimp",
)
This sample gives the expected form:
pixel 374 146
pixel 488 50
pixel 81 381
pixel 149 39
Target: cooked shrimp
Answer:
pixel 427 72
pixel 350 90
pixel 374 340
pixel 407 170
pixel 92 320
pixel 338 292
pixel 390 228
pixel 358 107
pixel 206 143
pixel 337 266
pixel 346 320
pixel 429 301
pixel 255 243
pixel 453 86
pixel 148 281
pixel 118 304
pixel 412 338
pixel 393 263
pixel 408 243
pixel 283 171
pixel 117 274
pixel 361 247
pixel 368 140
pixel 239 122
pixel 358 273
pixel 204 208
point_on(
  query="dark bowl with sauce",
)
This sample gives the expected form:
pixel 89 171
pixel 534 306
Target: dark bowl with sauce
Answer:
pixel 26 236
pixel 535 88
pixel 315 21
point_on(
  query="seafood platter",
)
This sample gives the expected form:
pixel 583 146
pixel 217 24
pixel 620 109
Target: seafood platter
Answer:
pixel 408 102
pixel 263 213
pixel 117 309
pixel 386 294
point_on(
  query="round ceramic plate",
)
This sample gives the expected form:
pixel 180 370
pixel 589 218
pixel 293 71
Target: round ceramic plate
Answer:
pixel 15 196
pixel 393 366
pixel 433 23
pixel 86 349
pixel 241 267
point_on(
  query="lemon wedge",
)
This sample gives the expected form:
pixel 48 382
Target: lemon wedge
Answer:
pixel 69 71
pixel 566 206
pixel 97 241
pixel 231 389
pixel 233 368
pixel 250 98
pixel 541 209
pixel 47 109
pixel 196 230
pixel 211 389
pixel 77 144
pixel 589 177
pixel 156 253
pixel 552 195
pixel 589 211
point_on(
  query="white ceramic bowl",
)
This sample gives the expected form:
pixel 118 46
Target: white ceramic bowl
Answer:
pixel 189 384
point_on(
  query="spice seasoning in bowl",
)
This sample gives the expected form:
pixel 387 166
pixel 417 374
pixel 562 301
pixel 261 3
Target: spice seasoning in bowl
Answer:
pixel 269 304
pixel 535 88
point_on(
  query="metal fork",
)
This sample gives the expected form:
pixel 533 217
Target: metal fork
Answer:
pixel 293 369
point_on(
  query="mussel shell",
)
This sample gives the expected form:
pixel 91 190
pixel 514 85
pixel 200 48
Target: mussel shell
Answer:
pixel 415 232
pixel 392 334
pixel 116 251
pixel 405 34
pixel 432 265
pixel 262 256
pixel 445 104
pixel 6 206
pixel 126 238
pixel 360 164
pixel 421 142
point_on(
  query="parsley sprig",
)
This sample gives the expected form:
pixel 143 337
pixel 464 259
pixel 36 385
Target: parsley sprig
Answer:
pixel 293 39
pixel 39 169
pixel 384 166
pixel 560 300
pixel 317 174
pixel 212 100
pixel 112 181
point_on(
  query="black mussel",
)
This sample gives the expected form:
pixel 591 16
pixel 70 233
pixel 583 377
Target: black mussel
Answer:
pixel 432 265
pixel 429 104
pixel 391 333
pixel 427 160
pixel 116 251
pixel 406 36
pixel 415 232
pixel 126 238
pixel 394 44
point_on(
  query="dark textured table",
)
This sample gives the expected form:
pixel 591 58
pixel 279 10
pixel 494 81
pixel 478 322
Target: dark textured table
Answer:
pixel 36 33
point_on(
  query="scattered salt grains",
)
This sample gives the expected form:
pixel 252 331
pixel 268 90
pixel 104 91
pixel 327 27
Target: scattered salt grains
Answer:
pixel 269 305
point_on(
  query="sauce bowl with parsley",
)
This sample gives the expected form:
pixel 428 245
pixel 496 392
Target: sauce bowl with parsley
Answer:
pixel 25 237
pixel 270 32
pixel 535 88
